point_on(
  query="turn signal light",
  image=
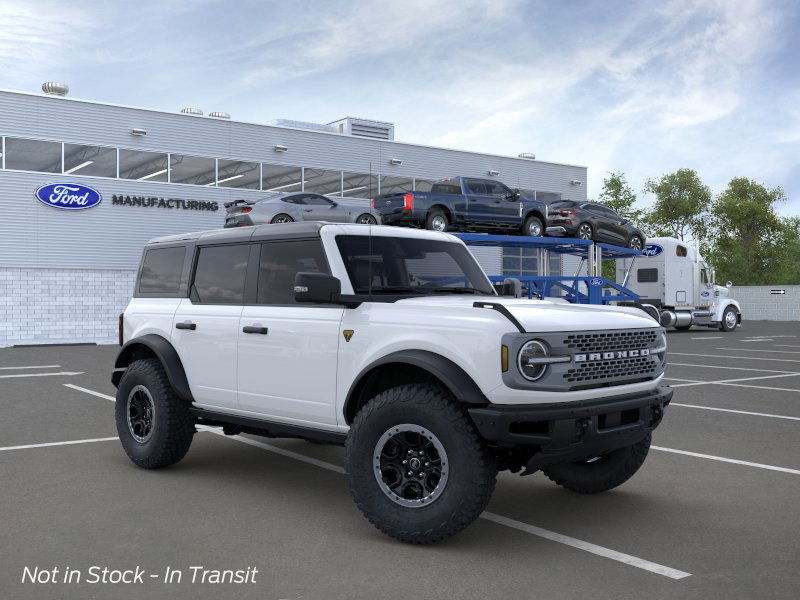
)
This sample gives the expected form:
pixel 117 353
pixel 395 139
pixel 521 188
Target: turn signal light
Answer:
pixel 504 358
pixel 408 201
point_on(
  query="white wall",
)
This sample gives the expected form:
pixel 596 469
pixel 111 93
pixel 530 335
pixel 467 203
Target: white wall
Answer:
pixel 759 304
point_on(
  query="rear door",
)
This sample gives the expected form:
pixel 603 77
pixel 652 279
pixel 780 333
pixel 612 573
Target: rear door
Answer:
pixel 205 327
pixel 288 351
pixel 480 202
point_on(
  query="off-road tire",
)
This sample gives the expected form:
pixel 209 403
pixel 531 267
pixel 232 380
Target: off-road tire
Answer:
pixel 530 222
pixel 609 471
pixel 436 213
pixel 173 425
pixel 472 469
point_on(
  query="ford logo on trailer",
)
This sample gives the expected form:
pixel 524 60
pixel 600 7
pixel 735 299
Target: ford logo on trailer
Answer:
pixel 68 196
pixel 596 282
pixel 652 250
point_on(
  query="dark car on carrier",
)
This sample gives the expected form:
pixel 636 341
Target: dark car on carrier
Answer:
pixel 465 204
pixel 592 221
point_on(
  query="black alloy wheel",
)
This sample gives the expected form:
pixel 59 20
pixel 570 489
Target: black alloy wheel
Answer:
pixel 585 231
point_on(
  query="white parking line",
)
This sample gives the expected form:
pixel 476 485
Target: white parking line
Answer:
pixel 69 443
pixel 92 392
pixel 739 412
pixel 519 525
pixel 66 373
pixel 727 460
pixel 739 357
pixel 708 337
pixel 759 340
pixel 31 367
pixel 728 381
pixel 754 350
pixel 787 345
pixel 672 364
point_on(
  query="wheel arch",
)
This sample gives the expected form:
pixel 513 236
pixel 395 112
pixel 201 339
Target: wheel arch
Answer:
pixel 535 212
pixel 729 303
pixel 410 366
pixel 154 346
pixel 444 208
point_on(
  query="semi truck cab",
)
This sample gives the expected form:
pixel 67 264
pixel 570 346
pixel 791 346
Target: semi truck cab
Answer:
pixel 676 285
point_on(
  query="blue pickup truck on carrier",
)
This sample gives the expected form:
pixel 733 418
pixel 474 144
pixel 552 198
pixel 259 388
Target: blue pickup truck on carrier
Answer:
pixel 465 204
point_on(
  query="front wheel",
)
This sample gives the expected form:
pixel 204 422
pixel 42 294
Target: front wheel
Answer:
pixel 416 467
pixel 600 473
pixel 533 227
pixel 729 320
pixel 154 425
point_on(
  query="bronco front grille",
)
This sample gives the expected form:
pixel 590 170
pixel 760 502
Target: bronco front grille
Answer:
pixel 612 340
pixel 618 369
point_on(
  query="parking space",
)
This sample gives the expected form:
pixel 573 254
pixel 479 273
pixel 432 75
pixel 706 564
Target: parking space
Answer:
pixel 712 514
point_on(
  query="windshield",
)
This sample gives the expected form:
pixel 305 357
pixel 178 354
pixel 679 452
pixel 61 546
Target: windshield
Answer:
pixel 396 265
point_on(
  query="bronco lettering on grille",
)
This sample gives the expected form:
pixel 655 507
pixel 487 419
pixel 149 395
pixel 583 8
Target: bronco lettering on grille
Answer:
pixel 611 355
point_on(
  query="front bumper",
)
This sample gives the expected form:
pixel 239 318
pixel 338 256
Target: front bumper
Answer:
pixel 573 431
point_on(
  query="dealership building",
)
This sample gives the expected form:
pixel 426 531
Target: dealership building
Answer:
pixel 65 275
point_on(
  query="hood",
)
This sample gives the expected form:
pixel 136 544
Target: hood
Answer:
pixel 540 316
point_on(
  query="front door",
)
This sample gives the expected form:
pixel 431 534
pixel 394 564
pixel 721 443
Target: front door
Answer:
pixel 320 208
pixel 206 325
pixel 288 351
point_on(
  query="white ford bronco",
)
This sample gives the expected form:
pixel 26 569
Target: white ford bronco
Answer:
pixel 393 343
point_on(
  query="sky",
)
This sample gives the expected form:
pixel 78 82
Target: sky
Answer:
pixel 639 87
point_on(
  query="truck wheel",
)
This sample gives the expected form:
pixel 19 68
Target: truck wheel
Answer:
pixel 729 321
pixel 415 465
pixel 533 227
pixel 601 473
pixel 436 220
pixel 154 425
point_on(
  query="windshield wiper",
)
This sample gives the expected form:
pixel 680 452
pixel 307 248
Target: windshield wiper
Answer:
pixel 458 290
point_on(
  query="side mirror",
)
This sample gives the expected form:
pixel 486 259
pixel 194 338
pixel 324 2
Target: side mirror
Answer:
pixel 729 285
pixel 334 204
pixel 317 287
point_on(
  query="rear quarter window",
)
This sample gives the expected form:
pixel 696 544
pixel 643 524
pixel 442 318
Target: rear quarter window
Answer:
pixel 161 271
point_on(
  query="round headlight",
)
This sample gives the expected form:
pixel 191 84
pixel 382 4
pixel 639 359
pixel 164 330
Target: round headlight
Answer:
pixel 532 350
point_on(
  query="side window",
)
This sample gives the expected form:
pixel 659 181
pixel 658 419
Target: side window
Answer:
pixel 446 188
pixel 681 250
pixel 219 275
pixel 647 275
pixel 316 200
pixel 280 262
pixel 476 186
pixel 704 276
pixel 293 200
pixel 161 271
pixel 495 188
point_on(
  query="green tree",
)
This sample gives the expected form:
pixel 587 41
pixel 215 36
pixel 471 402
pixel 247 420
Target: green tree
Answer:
pixel 617 194
pixel 750 243
pixel 681 206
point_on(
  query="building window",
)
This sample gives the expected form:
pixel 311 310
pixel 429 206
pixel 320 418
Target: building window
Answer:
pixel 279 178
pixel 143 166
pixel 33 155
pixel 238 174
pixel 359 185
pixel 423 185
pixel 322 181
pixel 96 161
pixel 194 170
pixel 396 185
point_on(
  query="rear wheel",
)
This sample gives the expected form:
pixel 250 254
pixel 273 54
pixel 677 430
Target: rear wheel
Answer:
pixel 436 220
pixel 415 465
pixel 729 320
pixel 533 227
pixel 154 425
pixel 367 219
pixel 584 231
pixel 600 473
pixel 282 218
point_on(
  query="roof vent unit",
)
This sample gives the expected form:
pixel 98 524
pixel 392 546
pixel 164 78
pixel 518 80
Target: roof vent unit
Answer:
pixel 51 88
pixel 192 111
pixel 376 130
pixel 302 125
pixel 527 155
pixel 219 115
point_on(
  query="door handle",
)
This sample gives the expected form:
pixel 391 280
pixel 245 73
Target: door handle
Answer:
pixel 308 209
pixel 186 325
pixel 255 329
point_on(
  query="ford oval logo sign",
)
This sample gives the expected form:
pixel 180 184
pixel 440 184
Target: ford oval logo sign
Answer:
pixel 68 196
pixel 652 250
pixel 596 281
pixel 705 294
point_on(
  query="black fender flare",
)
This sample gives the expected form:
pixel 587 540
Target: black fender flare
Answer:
pixel 535 212
pixel 165 352
pixel 453 377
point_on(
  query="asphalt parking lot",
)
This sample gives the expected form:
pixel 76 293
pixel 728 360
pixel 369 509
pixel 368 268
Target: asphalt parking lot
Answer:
pixel 714 512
